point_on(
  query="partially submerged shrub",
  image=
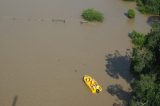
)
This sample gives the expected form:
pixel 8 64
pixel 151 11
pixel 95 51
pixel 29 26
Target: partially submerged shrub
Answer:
pixel 131 13
pixel 92 15
pixel 137 38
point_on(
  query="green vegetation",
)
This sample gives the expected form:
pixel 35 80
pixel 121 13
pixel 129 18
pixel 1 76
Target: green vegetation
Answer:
pixel 137 38
pixel 131 13
pixel 149 6
pixel 145 65
pixel 147 92
pixel 92 15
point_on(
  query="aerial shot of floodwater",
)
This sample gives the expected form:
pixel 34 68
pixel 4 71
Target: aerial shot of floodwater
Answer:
pixel 45 51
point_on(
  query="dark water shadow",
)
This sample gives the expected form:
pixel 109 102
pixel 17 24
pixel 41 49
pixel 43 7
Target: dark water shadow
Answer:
pixel 15 99
pixel 126 14
pixel 153 19
pixel 117 90
pixel 119 65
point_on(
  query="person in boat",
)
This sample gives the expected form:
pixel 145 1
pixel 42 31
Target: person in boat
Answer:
pixel 92 82
pixel 88 79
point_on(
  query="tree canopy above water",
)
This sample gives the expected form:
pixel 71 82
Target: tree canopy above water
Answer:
pixel 146 68
pixel 149 6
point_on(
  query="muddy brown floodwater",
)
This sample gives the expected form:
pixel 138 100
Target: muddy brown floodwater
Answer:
pixel 42 61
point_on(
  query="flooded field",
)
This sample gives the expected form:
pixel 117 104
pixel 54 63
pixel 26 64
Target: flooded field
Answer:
pixel 42 61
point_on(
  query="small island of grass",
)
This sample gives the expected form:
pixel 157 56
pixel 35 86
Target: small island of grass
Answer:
pixel 92 15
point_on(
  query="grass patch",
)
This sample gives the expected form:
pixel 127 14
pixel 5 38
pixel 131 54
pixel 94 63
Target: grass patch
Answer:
pixel 92 15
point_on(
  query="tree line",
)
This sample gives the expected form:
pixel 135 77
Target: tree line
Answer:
pixel 148 6
pixel 145 66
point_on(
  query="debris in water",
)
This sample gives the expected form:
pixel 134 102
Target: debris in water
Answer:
pixel 82 22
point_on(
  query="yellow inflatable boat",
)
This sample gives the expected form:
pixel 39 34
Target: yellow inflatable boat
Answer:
pixel 92 84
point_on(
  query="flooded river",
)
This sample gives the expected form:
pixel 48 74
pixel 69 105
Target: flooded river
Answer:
pixel 42 61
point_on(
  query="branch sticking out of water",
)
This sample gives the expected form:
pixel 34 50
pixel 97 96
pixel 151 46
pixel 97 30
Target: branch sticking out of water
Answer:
pixel 15 99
